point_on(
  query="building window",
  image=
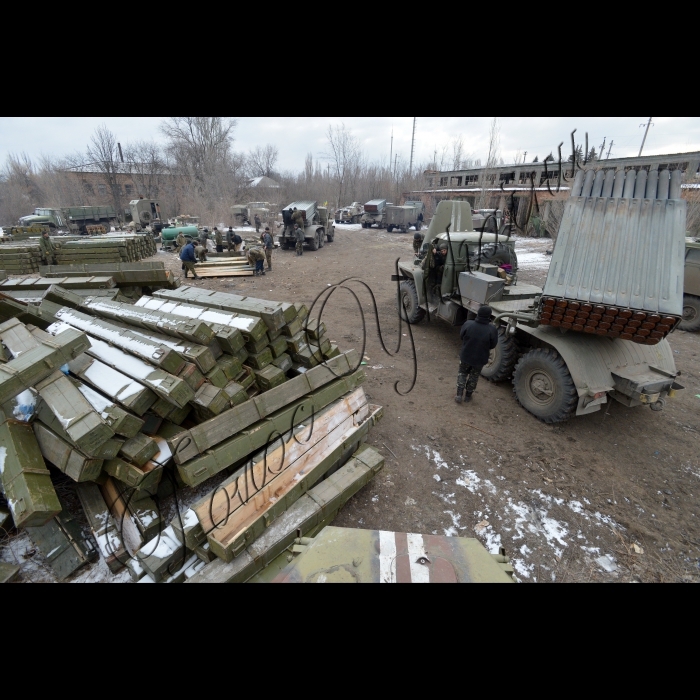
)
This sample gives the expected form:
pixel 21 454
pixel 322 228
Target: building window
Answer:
pixel 129 190
pixel 508 178
pixel 443 181
pixel 102 190
pixel 431 181
pixel 456 181
pixel 471 180
pixel 119 190
pixel 88 188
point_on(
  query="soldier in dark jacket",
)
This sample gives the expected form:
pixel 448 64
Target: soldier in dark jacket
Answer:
pixel 479 338
pixel 189 260
pixel 258 223
pixel 219 238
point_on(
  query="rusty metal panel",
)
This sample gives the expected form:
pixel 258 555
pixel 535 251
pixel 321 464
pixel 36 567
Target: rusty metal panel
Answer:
pixel 360 556
pixel 624 252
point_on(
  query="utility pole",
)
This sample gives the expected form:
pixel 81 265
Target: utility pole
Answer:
pixel 646 133
pixel 413 144
pixel 391 154
pixel 612 143
pixel 601 152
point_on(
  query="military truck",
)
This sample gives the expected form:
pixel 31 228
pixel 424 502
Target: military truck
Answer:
pixel 598 331
pixel 691 298
pixel 147 213
pixel 350 215
pixel 405 217
pixel 241 215
pixel 319 226
pixel 375 214
pixel 72 219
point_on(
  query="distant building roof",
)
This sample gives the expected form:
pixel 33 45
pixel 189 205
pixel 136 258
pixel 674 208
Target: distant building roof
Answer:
pixel 266 182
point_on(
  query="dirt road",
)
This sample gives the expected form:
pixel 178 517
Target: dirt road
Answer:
pixel 607 497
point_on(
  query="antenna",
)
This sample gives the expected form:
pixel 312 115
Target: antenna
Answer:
pixel 413 144
pixel 646 133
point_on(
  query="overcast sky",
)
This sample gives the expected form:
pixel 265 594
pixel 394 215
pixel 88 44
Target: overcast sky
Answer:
pixel 297 136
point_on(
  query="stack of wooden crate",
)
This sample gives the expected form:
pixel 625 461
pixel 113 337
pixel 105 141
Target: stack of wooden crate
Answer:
pixel 104 249
pixel 245 402
pixel 20 258
pixel 151 275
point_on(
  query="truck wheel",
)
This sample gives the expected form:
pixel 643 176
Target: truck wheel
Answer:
pixel 321 239
pixel 331 238
pixel 314 243
pixel 390 229
pixel 544 387
pixel 411 311
pixel 691 314
pixel 503 359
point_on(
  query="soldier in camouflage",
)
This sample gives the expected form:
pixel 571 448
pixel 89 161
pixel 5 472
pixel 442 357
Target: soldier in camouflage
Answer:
pixel 268 245
pixel 301 237
pixel 219 237
pixel 256 258
pixel 48 253
pixel 298 219
pixel 181 241
pixel 418 243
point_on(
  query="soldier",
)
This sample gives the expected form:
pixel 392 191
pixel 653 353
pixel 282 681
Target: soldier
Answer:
pixel 219 237
pixel 269 246
pixel 258 223
pixel 418 239
pixel 47 251
pixel 298 218
pixel 479 338
pixel 180 242
pixel 189 260
pixel 203 238
pixel 257 257
pixel 201 253
pixel 234 241
pixel 287 218
pixel 299 234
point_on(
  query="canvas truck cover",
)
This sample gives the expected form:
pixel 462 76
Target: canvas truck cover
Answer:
pixel 618 265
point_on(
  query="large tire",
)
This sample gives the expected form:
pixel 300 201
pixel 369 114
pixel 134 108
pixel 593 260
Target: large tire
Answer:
pixel 544 387
pixel 390 229
pixel 314 243
pixel 321 239
pixel 691 314
pixel 501 255
pixel 409 308
pixel 503 359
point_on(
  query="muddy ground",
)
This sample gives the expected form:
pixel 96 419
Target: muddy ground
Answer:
pixel 610 497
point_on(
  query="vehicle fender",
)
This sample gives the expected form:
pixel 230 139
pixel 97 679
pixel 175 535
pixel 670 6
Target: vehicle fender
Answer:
pixel 592 360
pixel 692 279
pixel 417 276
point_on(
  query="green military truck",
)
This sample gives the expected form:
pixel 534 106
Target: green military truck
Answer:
pixel 319 228
pixel 598 331
pixel 375 214
pixel 146 213
pixel 691 298
pixel 72 219
pixel 405 217
pixel 350 215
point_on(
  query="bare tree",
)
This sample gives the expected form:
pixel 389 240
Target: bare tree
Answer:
pixel 146 163
pixel 457 152
pixel 103 155
pixel 199 145
pixel 343 156
pixel 494 158
pixel 262 161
